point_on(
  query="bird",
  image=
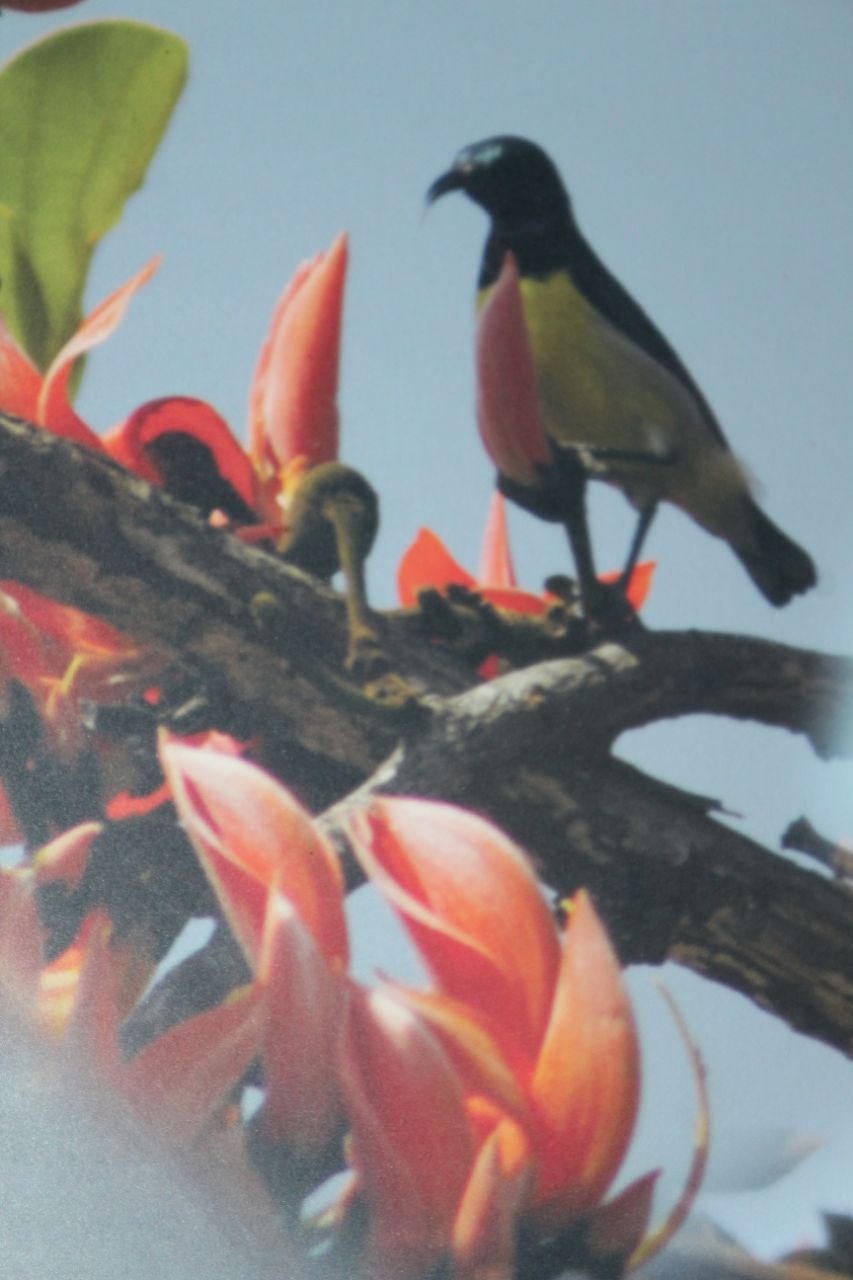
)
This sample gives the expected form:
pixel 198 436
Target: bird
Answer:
pixel 615 401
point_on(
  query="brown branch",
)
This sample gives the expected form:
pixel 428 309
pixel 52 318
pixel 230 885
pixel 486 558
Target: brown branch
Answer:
pixel 532 749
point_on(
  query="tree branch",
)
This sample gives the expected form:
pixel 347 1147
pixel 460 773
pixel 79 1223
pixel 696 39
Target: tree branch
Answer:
pixel 532 750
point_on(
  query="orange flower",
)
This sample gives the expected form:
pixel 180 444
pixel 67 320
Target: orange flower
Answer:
pixel 280 887
pixel 44 399
pixel 428 563
pixel 293 408
pixel 412 1141
pixel 555 1006
pixel 252 836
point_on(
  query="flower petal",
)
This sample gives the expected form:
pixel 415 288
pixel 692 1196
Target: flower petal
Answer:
pixel 183 1077
pixel 131 442
pixel 20 381
pixel 54 410
pixel 486 1227
pixel 587 1079
pixel 293 402
pixel 251 834
pixel 302 1025
pixel 412 1146
pixel 496 567
pixel 471 902
pixel 428 563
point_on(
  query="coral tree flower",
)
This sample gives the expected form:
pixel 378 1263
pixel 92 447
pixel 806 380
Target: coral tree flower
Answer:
pixel 43 399
pixel 293 410
pixel 428 563
pixel 554 1006
pixel 281 889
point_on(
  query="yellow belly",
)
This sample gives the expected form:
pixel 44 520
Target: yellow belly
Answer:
pixel 597 388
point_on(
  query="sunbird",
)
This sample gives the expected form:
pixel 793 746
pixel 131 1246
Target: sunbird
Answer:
pixel 614 400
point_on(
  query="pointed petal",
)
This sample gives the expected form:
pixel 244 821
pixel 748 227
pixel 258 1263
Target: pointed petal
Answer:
pixel 65 857
pixel 181 1079
pixel 587 1080
pixel 293 404
pixel 302 1025
pixel 20 381
pixel 507 401
pixel 486 1227
pixel 428 563
pixel 457 882
pixel 54 410
pixel 251 834
pixel 615 1229
pixel 483 1050
pixel 496 567
pixel 87 991
pixel 639 585
pixel 412 1146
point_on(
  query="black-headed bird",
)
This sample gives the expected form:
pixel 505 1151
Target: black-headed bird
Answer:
pixel 614 400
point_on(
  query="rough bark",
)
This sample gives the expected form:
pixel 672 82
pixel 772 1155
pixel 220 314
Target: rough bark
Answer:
pixel 532 749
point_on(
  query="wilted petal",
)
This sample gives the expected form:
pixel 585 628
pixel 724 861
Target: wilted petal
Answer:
pixel 412 1146
pixel 302 1025
pixel 507 402
pixel 293 404
pixel 471 902
pixel 251 834
pixel 587 1080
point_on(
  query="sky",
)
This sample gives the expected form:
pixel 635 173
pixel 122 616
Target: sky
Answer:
pixel 706 147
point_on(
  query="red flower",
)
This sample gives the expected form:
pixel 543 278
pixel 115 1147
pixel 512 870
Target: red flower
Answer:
pixel 553 1008
pixel 44 399
pixel 428 563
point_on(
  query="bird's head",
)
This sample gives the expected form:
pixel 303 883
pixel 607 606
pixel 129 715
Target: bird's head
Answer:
pixel 512 179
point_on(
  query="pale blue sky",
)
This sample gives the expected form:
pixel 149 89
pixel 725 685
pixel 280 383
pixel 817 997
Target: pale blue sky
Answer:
pixel 707 148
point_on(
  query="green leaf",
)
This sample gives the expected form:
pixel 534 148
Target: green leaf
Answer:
pixel 81 114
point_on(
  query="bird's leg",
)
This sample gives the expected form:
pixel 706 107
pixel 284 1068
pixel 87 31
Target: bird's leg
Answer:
pixel 647 515
pixel 573 478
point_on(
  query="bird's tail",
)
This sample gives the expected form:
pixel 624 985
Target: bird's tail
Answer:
pixel 778 567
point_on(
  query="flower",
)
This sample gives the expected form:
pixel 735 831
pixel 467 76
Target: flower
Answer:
pixel 43 399
pixel 428 563
pixel 280 886
pixel 552 1008
pixel 293 409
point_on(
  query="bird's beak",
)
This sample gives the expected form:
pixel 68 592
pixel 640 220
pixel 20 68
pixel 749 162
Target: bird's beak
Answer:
pixel 453 180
